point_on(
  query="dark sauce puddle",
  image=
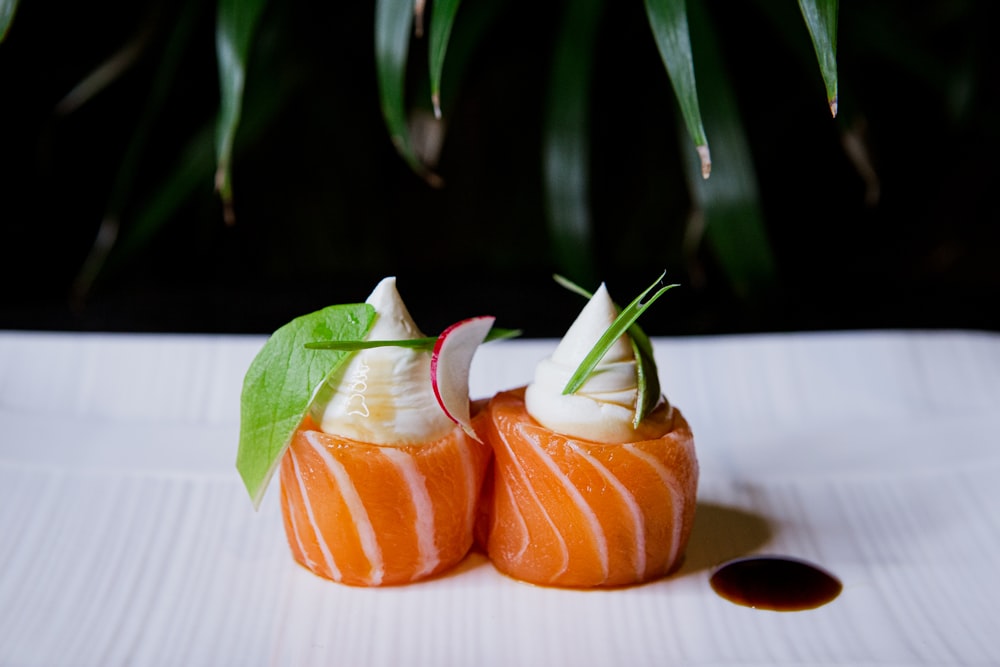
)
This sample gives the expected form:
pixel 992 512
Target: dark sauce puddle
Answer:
pixel 775 583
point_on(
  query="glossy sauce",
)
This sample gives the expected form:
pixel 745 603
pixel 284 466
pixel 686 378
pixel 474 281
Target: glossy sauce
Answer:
pixel 776 583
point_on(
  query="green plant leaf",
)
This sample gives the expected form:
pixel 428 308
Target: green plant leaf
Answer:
pixel 235 27
pixel 194 164
pixel 646 374
pixel 566 140
pixel 728 205
pixel 189 176
pixel 124 183
pixel 426 343
pixel 442 19
pixel 279 386
pixel 821 20
pixel 393 27
pixel 669 22
pixel 462 45
pixel 7 10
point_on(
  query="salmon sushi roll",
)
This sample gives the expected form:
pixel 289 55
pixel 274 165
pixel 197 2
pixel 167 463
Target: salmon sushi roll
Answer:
pixel 583 494
pixel 372 515
pixel 571 512
pixel 380 482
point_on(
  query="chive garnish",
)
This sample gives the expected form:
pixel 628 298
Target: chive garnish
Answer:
pixel 647 378
pixel 427 343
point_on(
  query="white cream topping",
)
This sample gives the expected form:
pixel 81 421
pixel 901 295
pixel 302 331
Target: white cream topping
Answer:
pixel 383 395
pixel 602 409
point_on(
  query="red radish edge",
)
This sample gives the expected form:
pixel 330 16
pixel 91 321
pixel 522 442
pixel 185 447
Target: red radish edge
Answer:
pixel 453 394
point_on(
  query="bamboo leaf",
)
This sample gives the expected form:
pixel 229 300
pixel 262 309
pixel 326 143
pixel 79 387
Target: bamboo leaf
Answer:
pixel 235 27
pixel 123 185
pixel 729 203
pixel 821 19
pixel 566 140
pixel 193 167
pixel 463 43
pixel 669 22
pixel 7 10
pixel 442 20
pixel 393 27
pixel 129 225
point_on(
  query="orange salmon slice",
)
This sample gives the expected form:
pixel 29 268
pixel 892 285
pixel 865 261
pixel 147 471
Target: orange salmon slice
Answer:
pixel 567 512
pixel 376 515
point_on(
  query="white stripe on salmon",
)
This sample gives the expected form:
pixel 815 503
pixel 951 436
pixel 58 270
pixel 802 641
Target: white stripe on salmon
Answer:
pixel 520 520
pixel 320 539
pixel 293 524
pixel 470 481
pixel 635 512
pixel 676 494
pixel 519 469
pixel 423 506
pixel 356 508
pixel 600 539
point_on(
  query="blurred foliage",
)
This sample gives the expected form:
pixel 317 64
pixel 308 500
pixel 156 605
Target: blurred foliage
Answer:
pixel 566 142
pixel 565 135
pixel 7 9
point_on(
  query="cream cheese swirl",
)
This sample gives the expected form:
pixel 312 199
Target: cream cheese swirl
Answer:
pixel 383 395
pixel 603 409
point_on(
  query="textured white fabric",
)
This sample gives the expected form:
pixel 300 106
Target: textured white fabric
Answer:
pixel 127 538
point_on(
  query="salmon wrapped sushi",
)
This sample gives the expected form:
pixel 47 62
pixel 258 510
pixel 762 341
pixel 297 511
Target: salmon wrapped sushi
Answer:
pixel 592 498
pixel 570 512
pixel 380 481
pixel 372 515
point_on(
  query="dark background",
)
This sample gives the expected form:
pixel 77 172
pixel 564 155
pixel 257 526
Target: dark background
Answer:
pixel 325 207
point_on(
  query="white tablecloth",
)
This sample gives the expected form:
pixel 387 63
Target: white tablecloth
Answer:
pixel 126 537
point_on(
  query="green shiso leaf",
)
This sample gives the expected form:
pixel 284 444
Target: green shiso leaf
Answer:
pixel 279 386
pixel 647 378
pixel 416 343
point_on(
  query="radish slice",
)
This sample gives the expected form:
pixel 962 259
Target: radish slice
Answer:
pixel 450 363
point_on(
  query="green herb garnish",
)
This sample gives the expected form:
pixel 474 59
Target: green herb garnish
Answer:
pixel 648 394
pixel 647 378
pixel 283 379
pixel 279 386
pixel 427 343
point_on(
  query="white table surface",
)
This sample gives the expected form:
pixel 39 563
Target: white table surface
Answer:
pixel 126 537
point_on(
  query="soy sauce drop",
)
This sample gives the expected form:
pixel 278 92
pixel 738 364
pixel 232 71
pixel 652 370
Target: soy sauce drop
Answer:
pixel 775 583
